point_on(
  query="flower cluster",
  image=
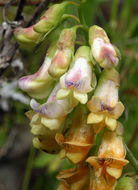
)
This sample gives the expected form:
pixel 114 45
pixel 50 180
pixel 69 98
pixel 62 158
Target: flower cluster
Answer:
pixel 76 107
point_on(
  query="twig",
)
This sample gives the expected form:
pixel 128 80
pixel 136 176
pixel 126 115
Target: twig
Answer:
pixel 132 159
pixel 27 2
pixel 8 48
pixel 21 4
pixel 18 17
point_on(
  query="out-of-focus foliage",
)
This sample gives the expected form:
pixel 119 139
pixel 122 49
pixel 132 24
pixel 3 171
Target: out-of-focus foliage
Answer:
pixel 119 18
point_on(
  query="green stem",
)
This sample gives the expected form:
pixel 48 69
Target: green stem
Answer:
pixel 28 169
pixel 66 16
pixel 132 159
pixel 73 3
pixel 85 28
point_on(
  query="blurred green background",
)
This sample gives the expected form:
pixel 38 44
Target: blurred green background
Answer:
pixel 21 166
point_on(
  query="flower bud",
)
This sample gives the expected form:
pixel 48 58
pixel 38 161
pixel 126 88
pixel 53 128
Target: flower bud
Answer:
pixel 51 19
pixel 39 84
pixel 126 183
pixel 79 77
pixel 102 50
pixel 64 53
pixel 27 35
pixel 104 105
pixel 78 140
pixel 75 178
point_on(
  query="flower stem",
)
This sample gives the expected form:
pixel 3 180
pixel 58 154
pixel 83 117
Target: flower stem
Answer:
pixel 132 159
pixel 85 28
pixel 66 16
pixel 28 169
pixel 73 3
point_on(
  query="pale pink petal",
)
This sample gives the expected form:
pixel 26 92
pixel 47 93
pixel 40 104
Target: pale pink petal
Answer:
pixel 53 108
pixel 78 77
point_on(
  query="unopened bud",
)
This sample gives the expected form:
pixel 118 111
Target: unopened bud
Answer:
pixel 126 183
pixel 51 18
pixel 64 53
pixel 27 35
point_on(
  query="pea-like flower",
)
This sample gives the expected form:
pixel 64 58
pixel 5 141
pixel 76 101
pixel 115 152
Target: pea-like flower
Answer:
pixel 112 143
pixel 102 50
pixel 79 77
pixel 44 135
pixel 64 53
pixel 74 178
pixel 51 19
pixel 27 35
pixel 104 105
pixel 48 119
pixel 54 108
pixel 78 140
pixel 110 160
pixel 40 84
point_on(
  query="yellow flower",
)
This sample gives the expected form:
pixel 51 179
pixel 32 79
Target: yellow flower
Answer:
pixel 112 144
pixel 44 135
pixel 109 163
pixel 102 182
pixel 78 140
pixel 75 178
pixel 104 105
